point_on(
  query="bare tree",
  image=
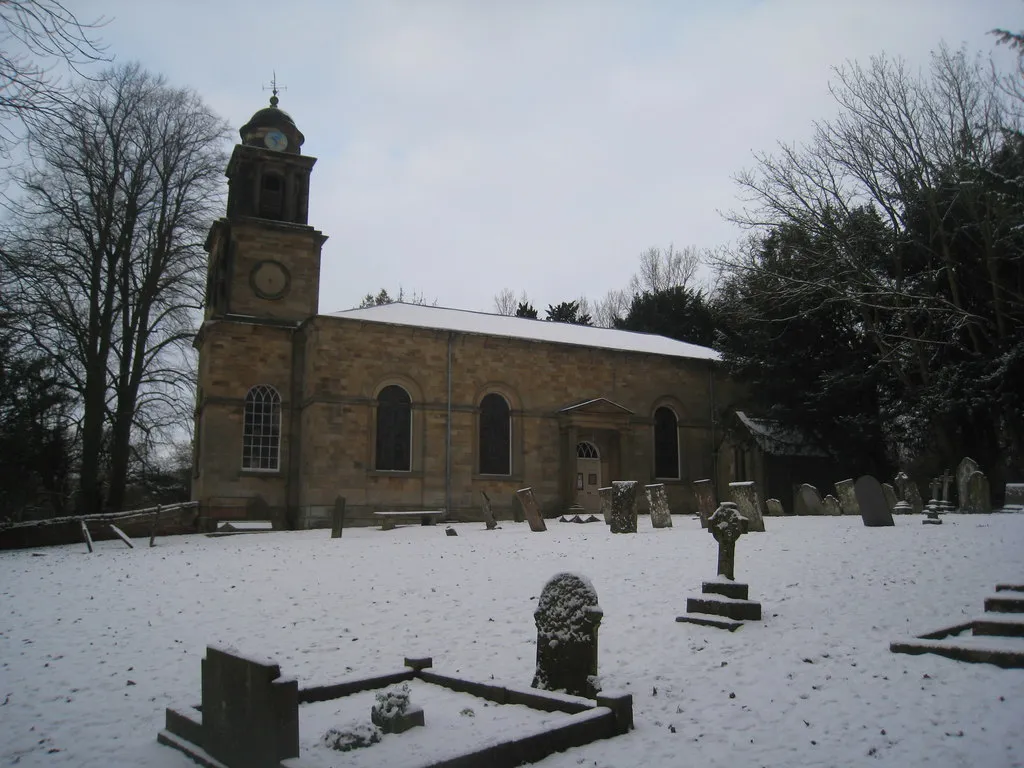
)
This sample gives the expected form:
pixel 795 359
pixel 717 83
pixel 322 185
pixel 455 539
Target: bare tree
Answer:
pixel 661 269
pixel 37 38
pixel 104 251
pixel 612 307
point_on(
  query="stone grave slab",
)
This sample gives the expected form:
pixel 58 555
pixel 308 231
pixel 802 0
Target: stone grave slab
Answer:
pixel 704 493
pixel 847 497
pixel 624 506
pixel 979 497
pixel 874 509
pixel 661 517
pixel 567 616
pixel 605 495
pixel 531 509
pixel 745 496
pixel 964 469
pixel 808 501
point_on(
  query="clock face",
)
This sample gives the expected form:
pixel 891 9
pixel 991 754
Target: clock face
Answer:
pixel 276 140
pixel 270 280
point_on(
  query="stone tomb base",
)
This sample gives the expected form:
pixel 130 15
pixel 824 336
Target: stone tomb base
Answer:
pixel 994 637
pixel 538 724
pixel 724 604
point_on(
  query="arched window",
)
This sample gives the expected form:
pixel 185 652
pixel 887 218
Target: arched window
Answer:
pixel 666 443
pixel 271 196
pixel 261 433
pixel 495 436
pixel 394 429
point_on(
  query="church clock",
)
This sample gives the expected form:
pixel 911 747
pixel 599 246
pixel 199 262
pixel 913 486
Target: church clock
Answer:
pixel 270 280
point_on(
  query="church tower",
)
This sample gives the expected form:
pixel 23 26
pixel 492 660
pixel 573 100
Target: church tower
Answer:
pixel 263 282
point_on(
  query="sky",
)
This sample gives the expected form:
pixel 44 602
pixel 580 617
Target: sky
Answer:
pixel 466 147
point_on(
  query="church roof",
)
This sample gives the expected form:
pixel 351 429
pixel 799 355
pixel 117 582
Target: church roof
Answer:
pixel 465 321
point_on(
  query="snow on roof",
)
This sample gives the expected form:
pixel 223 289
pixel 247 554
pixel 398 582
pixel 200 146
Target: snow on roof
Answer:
pixel 465 321
pixel 777 440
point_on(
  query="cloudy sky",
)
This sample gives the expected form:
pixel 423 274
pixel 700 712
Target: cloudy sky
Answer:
pixel 465 147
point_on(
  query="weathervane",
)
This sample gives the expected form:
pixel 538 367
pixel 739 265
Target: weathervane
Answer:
pixel 274 88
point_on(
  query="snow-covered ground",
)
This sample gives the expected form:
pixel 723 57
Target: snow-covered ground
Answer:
pixel 93 647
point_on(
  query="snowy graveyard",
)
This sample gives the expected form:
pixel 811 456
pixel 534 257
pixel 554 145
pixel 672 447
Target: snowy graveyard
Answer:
pixel 93 648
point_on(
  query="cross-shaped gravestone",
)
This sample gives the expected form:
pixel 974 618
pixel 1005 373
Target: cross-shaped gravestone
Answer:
pixel 946 480
pixel 726 525
pixel 933 488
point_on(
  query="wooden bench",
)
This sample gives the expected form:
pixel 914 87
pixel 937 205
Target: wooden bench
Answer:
pixel 387 519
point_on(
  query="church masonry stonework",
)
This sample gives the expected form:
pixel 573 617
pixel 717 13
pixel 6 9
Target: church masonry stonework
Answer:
pixel 403 407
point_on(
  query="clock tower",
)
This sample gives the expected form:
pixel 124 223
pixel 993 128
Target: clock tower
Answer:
pixel 263 282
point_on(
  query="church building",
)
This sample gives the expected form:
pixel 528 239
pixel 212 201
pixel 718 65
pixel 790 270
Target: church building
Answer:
pixel 403 407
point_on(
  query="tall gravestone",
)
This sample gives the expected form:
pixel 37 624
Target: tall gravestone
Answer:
pixel 874 509
pixel 979 496
pixel 250 715
pixel 661 517
pixel 745 496
pixel 830 504
pixel 624 506
pixel 847 498
pixel 488 513
pixel 808 501
pixel 338 517
pixel 531 509
pixel 567 616
pixel 912 495
pixel 704 492
pixel 890 495
pixel 605 495
pixel 963 473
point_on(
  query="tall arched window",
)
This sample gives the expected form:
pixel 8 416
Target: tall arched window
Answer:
pixel 495 436
pixel 261 433
pixel 666 443
pixel 394 429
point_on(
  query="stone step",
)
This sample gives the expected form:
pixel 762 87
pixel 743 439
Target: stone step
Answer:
pixel 720 605
pixel 1009 588
pixel 1005 652
pixel 1004 603
pixel 733 589
pixel 999 624
pixel 710 621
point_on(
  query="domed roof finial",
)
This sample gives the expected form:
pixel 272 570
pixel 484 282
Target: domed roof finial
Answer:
pixel 274 89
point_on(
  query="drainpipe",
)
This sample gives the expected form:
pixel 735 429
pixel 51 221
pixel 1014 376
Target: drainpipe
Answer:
pixel 714 444
pixel 448 438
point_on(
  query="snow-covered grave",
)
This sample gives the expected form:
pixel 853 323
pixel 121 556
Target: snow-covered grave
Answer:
pixel 94 648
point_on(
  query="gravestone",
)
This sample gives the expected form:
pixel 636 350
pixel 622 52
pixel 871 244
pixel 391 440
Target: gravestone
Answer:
pixel 830 504
pixel 847 498
pixel 661 517
pixel 774 507
pixel 874 509
pixel 808 501
pixel 531 509
pixel 250 715
pixel 338 517
pixel 979 498
pixel 624 506
pixel 744 495
pixel 704 492
pixel 605 494
pixel 488 514
pixel 913 497
pixel 567 617
pixel 890 495
pixel 931 512
pixel 934 490
pixel 1014 495
pixel 946 503
pixel 963 472
pixel 392 711
pixel 726 525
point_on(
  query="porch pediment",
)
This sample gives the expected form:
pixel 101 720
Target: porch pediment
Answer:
pixel 600 412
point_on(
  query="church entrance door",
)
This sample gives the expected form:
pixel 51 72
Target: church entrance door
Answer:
pixel 588 476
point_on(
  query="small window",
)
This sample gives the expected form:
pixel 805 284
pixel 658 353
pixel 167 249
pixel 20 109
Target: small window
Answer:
pixel 495 436
pixel 272 197
pixel 394 429
pixel 261 435
pixel 666 443
pixel 587 450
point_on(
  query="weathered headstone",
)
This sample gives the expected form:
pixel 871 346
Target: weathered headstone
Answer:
pixel 605 494
pixel 744 495
pixel 963 472
pixel 338 517
pixel 661 517
pixel 567 617
pixel 488 514
pixel 830 504
pixel 704 492
pixel 874 509
pixel 392 711
pixel 624 506
pixel 1014 495
pixel 847 498
pixel 250 715
pixel 913 497
pixel 808 501
pixel 531 509
pixel 979 497
pixel 890 495
pixel 726 525
pixel 774 508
